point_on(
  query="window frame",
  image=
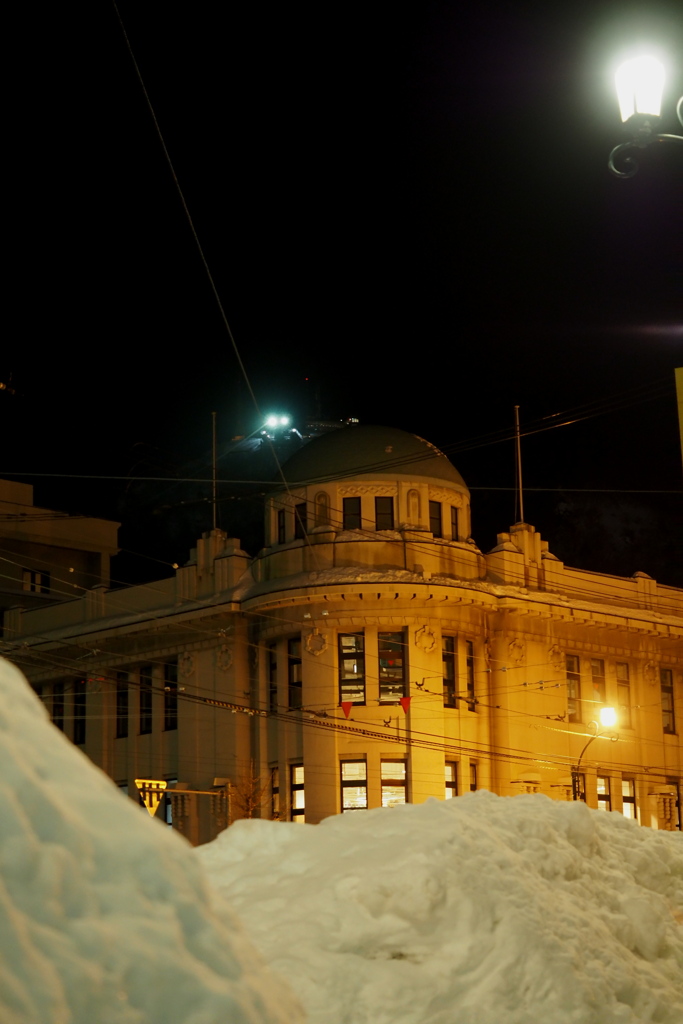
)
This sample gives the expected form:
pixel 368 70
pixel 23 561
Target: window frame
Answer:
pixel 297 814
pixel 470 670
pixel 455 523
pixel 384 517
pixel 604 794
pixel 435 509
pixel 281 526
pixel 598 681
pixel 352 520
pixel 389 686
pixel 624 694
pixel 295 682
pixel 450 784
pixel 448 670
pixel 271 676
pixel 345 696
pixel 573 683
pixel 300 524
pixel 348 784
pixel 630 799
pixel 390 783
pixel 667 698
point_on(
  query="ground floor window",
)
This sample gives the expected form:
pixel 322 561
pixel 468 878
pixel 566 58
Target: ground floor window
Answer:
pixel 604 795
pixel 451 773
pixel 275 794
pixel 628 796
pixel 354 785
pixel 394 783
pixel 297 795
pixel 474 782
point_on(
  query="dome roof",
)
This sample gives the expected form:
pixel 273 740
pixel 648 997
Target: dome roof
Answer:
pixel 369 452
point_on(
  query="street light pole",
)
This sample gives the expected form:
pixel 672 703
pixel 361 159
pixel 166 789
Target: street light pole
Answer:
pixel 608 718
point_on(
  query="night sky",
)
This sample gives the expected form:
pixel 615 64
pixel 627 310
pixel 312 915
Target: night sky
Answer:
pixel 408 216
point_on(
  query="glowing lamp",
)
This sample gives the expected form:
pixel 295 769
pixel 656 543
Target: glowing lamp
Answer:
pixel 640 84
pixel 608 717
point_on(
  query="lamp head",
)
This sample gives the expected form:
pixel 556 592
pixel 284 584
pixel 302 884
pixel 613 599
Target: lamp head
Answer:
pixel 640 84
pixel 608 717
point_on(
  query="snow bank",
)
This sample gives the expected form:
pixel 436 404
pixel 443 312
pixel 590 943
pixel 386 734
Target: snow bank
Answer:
pixel 477 910
pixel 105 915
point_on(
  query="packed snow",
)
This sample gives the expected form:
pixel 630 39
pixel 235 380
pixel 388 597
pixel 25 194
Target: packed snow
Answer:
pixel 476 910
pixel 105 915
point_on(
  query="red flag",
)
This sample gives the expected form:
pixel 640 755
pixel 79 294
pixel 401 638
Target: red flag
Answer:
pixel 346 707
pixel 405 704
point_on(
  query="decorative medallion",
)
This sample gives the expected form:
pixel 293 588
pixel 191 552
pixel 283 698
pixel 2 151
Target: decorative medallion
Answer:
pixel 515 651
pixel 316 642
pixel 425 639
pixel 556 656
pixel 186 664
pixel 224 657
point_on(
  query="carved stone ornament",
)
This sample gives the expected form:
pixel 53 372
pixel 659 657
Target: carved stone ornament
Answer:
pixel 186 664
pixel 556 656
pixel 380 489
pixel 316 642
pixel 515 651
pixel 650 672
pixel 425 639
pixel 224 657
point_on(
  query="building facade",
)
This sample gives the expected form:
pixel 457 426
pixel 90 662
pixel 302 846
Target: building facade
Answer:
pixel 369 655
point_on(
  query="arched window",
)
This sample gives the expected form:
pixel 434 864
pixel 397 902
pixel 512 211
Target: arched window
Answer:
pixel 322 509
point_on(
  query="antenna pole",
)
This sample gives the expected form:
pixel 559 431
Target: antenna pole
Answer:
pixel 518 466
pixel 213 465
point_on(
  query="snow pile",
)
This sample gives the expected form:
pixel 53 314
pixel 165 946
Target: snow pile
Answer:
pixel 477 910
pixel 105 915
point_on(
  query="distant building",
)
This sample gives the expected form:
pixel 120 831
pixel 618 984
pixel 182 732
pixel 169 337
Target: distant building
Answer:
pixel 369 655
pixel 48 556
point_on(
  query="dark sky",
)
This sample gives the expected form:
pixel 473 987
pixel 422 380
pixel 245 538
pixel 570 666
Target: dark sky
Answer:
pixel 408 216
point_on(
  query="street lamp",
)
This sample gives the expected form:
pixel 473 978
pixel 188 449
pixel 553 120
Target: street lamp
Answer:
pixel 640 84
pixel 608 719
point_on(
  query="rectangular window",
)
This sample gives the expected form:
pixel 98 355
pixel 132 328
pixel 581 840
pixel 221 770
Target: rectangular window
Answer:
pixel 394 783
pixel 455 528
pixel 168 802
pixel 573 688
pixel 392 666
pixel 448 670
pixel 294 676
pixel 275 794
pixel 354 785
pixel 579 786
pixel 451 773
pixel 352 668
pixel 678 818
pixel 145 699
pixel 281 531
pixel 58 705
pixel 598 680
pixel 628 795
pixel 351 514
pixel 300 521
pixel 80 689
pixel 473 776
pixel 471 701
pixel 667 684
pixel 604 795
pixel 271 668
pixel 36 582
pixel 297 795
pixel 121 705
pixel 435 524
pixel 384 513
pixel 170 695
pixel 624 695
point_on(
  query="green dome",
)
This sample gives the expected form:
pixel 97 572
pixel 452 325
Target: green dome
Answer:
pixel 369 452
